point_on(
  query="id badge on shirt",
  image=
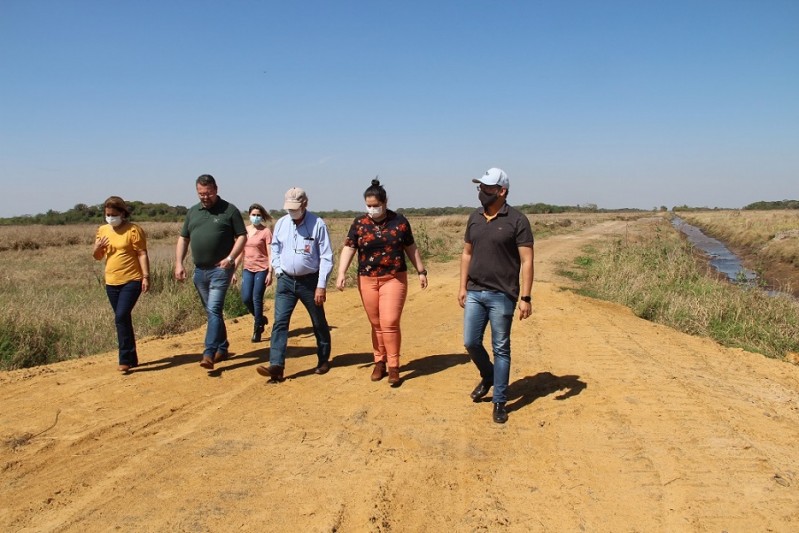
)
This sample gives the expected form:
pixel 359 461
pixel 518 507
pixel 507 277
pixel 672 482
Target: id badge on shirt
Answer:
pixel 306 249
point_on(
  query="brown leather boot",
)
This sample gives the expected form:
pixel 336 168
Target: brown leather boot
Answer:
pixel 379 372
pixel 273 372
pixel 393 377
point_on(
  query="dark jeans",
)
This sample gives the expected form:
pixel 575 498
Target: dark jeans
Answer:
pixel 253 287
pixel 289 291
pixel 123 298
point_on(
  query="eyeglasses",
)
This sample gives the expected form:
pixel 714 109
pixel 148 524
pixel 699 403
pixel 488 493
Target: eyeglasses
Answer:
pixel 209 195
pixel 488 188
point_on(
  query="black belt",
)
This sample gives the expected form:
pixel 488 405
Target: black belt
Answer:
pixel 304 276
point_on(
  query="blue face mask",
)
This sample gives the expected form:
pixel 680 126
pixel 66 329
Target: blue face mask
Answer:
pixel 256 220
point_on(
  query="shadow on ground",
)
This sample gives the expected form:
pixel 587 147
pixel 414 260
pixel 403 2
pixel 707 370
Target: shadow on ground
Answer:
pixel 168 362
pixel 432 364
pixel 525 391
pixel 350 359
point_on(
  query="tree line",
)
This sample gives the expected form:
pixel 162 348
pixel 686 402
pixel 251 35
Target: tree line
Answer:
pixel 782 204
pixel 161 212
pixel 83 213
pixel 755 206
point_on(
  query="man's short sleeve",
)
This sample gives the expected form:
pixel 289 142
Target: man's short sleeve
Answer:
pixel 467 237
pixel 238 223
pixel 524 233
pixel 184 231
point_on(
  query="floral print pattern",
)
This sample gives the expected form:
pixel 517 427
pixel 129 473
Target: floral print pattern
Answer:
pixel 380 245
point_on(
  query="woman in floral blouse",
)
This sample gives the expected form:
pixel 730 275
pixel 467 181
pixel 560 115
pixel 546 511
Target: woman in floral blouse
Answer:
pixel 382 238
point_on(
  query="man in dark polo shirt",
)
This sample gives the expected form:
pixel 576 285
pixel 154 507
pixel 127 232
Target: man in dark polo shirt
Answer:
pixel 498 244
pixel 215 230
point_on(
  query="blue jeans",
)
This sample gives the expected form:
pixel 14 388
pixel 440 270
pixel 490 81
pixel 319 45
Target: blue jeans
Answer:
pixel 212 285
pixel 123 298
pixel 253 286
pixel 289 291
pixel 497 308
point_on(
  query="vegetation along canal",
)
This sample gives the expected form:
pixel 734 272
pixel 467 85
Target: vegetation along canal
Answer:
pixel 721 258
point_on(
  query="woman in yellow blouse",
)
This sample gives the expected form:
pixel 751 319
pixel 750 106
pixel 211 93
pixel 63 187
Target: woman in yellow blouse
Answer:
pixel 127 272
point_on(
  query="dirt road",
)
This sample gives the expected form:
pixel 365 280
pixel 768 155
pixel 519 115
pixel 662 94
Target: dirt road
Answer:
pixel 616 424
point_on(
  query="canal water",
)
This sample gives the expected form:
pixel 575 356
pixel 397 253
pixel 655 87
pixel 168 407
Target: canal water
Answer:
pixel 721 258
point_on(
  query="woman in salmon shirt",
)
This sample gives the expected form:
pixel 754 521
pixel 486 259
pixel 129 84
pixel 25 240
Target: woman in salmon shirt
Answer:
pixel 257 273
pixel 127 272
pixel 382 238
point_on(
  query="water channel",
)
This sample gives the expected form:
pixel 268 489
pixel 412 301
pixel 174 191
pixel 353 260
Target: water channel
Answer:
pixel 721 258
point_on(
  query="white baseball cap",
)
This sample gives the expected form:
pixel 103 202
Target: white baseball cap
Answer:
pixel 494 176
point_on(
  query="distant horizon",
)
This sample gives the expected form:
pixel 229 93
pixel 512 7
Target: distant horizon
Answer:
pixel 622 104
pixel 357 210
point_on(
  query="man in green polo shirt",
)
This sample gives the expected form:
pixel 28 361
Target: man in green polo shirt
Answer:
pixel 215 230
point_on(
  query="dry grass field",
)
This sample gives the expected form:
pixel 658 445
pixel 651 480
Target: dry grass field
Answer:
pixel 36 237
pixel 53 304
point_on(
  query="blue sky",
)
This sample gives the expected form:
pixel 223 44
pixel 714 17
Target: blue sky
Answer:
pixel 615 103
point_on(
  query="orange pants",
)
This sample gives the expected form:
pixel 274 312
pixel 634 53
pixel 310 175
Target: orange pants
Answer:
pixel 383 299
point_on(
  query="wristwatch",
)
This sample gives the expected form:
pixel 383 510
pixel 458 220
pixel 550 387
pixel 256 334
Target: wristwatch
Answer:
pixel 527 299
pixel 423 272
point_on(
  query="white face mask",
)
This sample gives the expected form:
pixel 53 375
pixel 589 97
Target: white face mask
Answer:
pixel 114 221
pixel 256 220
pixel 295 214
pixel 376 211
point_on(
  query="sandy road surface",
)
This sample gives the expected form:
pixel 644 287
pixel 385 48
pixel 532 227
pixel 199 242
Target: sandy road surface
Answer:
pixel 616 425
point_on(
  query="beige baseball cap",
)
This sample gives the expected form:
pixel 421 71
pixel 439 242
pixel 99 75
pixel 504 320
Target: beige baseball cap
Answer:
pixel 294 198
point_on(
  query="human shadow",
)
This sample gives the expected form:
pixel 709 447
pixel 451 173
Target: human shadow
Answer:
pixel 167 362
pixel 431 364
pixel 307 331
pixel 525 391
pixel 295 352
pixel 292 352
pixel 350 359
pixel 245 359
pixel 250 358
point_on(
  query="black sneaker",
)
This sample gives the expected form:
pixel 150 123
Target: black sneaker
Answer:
pixel 500 413
pixel 480 391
